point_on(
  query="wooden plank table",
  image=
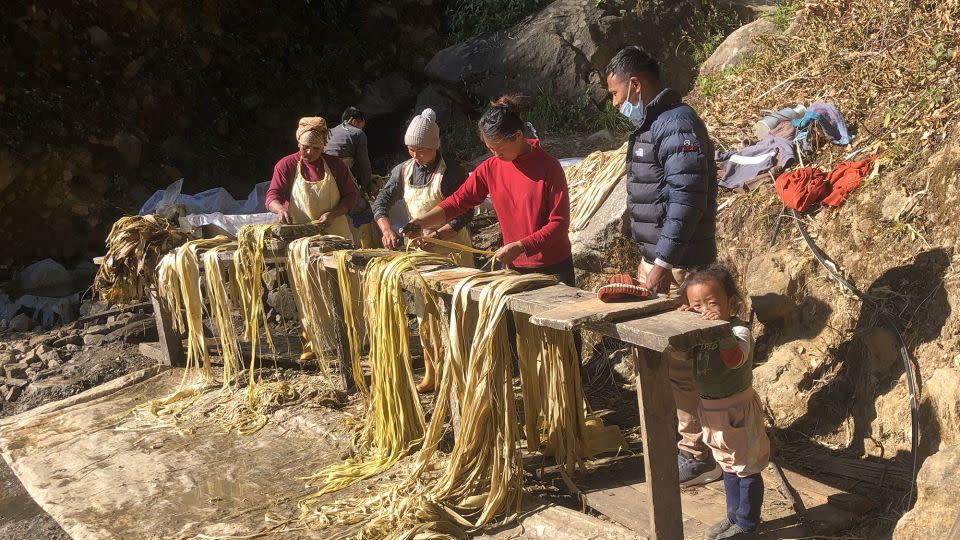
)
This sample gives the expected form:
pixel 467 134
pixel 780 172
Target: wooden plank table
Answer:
pixel 651 327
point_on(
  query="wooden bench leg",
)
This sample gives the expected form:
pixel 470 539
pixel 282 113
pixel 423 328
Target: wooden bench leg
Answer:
pixel 171 344
pixel 344 363
pixel 659 444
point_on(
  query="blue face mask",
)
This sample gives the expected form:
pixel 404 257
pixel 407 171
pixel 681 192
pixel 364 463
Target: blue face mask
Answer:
pixel 634 113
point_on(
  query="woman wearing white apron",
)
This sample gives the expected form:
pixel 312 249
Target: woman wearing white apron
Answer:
pixel 309 185
pixel 419 184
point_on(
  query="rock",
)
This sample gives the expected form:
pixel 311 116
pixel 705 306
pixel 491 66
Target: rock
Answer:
pixel 52 356
pixel 388 95
pixel 100 39
pixel 75 339
pixel 91 340
pixel 47 273
pixel 938 499
pixel 134 332
pixel 893 204
pixel 562 50
pixel 942 390
pixel 21 323
pixel 282 301
pixel 749 10
pixel 777 381
pixel 602 136
pixel 16 371
pixel 12 393
pixel 738 46
pixel 9 357
pixel 72 348
pixel 39 340
pixel 17 383
pixel 448 105
pixel 772 284
pixel 53 364
pixel 90 307
pixel 608 228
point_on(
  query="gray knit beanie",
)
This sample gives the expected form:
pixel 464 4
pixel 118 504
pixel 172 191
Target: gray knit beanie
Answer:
pixel 423 131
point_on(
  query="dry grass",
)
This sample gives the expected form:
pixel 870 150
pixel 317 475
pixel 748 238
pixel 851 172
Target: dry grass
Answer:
pixel 889 66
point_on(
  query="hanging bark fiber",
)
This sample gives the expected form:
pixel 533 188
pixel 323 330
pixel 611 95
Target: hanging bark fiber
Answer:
pixel 447 496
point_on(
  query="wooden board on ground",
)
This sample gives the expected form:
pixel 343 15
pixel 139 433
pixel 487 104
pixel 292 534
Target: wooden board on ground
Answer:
pixel 617 492
pixel 592 310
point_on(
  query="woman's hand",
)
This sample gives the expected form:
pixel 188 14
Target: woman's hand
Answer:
pixel 390 239
pixel 277 208
pixel 508 253
pixel 325 218
pixel 440 234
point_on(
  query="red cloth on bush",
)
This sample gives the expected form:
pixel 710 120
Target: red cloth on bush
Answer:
pixel 802 188
pixel 622 287
pixel 845 178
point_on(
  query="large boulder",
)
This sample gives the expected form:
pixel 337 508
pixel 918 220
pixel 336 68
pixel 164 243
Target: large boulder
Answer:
pixel 738 46
pixel 606 230
pixel 562 50
pixel 938 499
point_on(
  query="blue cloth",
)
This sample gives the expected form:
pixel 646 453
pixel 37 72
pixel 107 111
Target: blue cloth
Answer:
pixel 829 119
pixel 744 499
pixel 672 184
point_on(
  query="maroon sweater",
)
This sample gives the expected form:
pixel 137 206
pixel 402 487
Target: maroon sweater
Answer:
pixel 531 200
pixel 285 172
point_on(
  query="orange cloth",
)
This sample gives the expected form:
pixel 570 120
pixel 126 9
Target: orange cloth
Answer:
pixel 802 188
pixel 845 178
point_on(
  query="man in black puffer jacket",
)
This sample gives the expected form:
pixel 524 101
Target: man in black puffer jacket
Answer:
pixel 672 197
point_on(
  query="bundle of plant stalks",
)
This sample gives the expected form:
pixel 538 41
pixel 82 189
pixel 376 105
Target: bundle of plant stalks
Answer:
pixel 134 248
pixel 889 67
pixel 312 292
pixel 448 497
pixel 591 181
pixel 394 421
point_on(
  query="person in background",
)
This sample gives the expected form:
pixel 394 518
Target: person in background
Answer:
pixel 672 197
pixel 309 185
pixel 348 142
pixel 730 409
pixel 422 182
pixel 529 193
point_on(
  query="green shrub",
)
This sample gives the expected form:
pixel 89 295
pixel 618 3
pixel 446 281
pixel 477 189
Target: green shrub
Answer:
pixel 467 18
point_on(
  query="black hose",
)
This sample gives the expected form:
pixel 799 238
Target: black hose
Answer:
pixel 890 324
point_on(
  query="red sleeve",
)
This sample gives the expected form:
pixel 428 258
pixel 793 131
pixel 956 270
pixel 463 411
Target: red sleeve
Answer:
pixel 345 183
pixel 282 182
pixel 557 198
pixel 468 196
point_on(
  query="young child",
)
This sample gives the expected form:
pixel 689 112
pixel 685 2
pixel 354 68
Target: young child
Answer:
pixel 730 410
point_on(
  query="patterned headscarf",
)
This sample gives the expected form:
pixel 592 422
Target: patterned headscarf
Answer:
pixel 312 131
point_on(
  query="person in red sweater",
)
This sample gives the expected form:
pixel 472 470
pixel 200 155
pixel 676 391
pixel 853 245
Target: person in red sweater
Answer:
pixel 529 193
pixel 310 185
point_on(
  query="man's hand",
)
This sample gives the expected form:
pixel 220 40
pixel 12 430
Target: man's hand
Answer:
pixel 390 239
pixel 658 279
pixel 508 253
